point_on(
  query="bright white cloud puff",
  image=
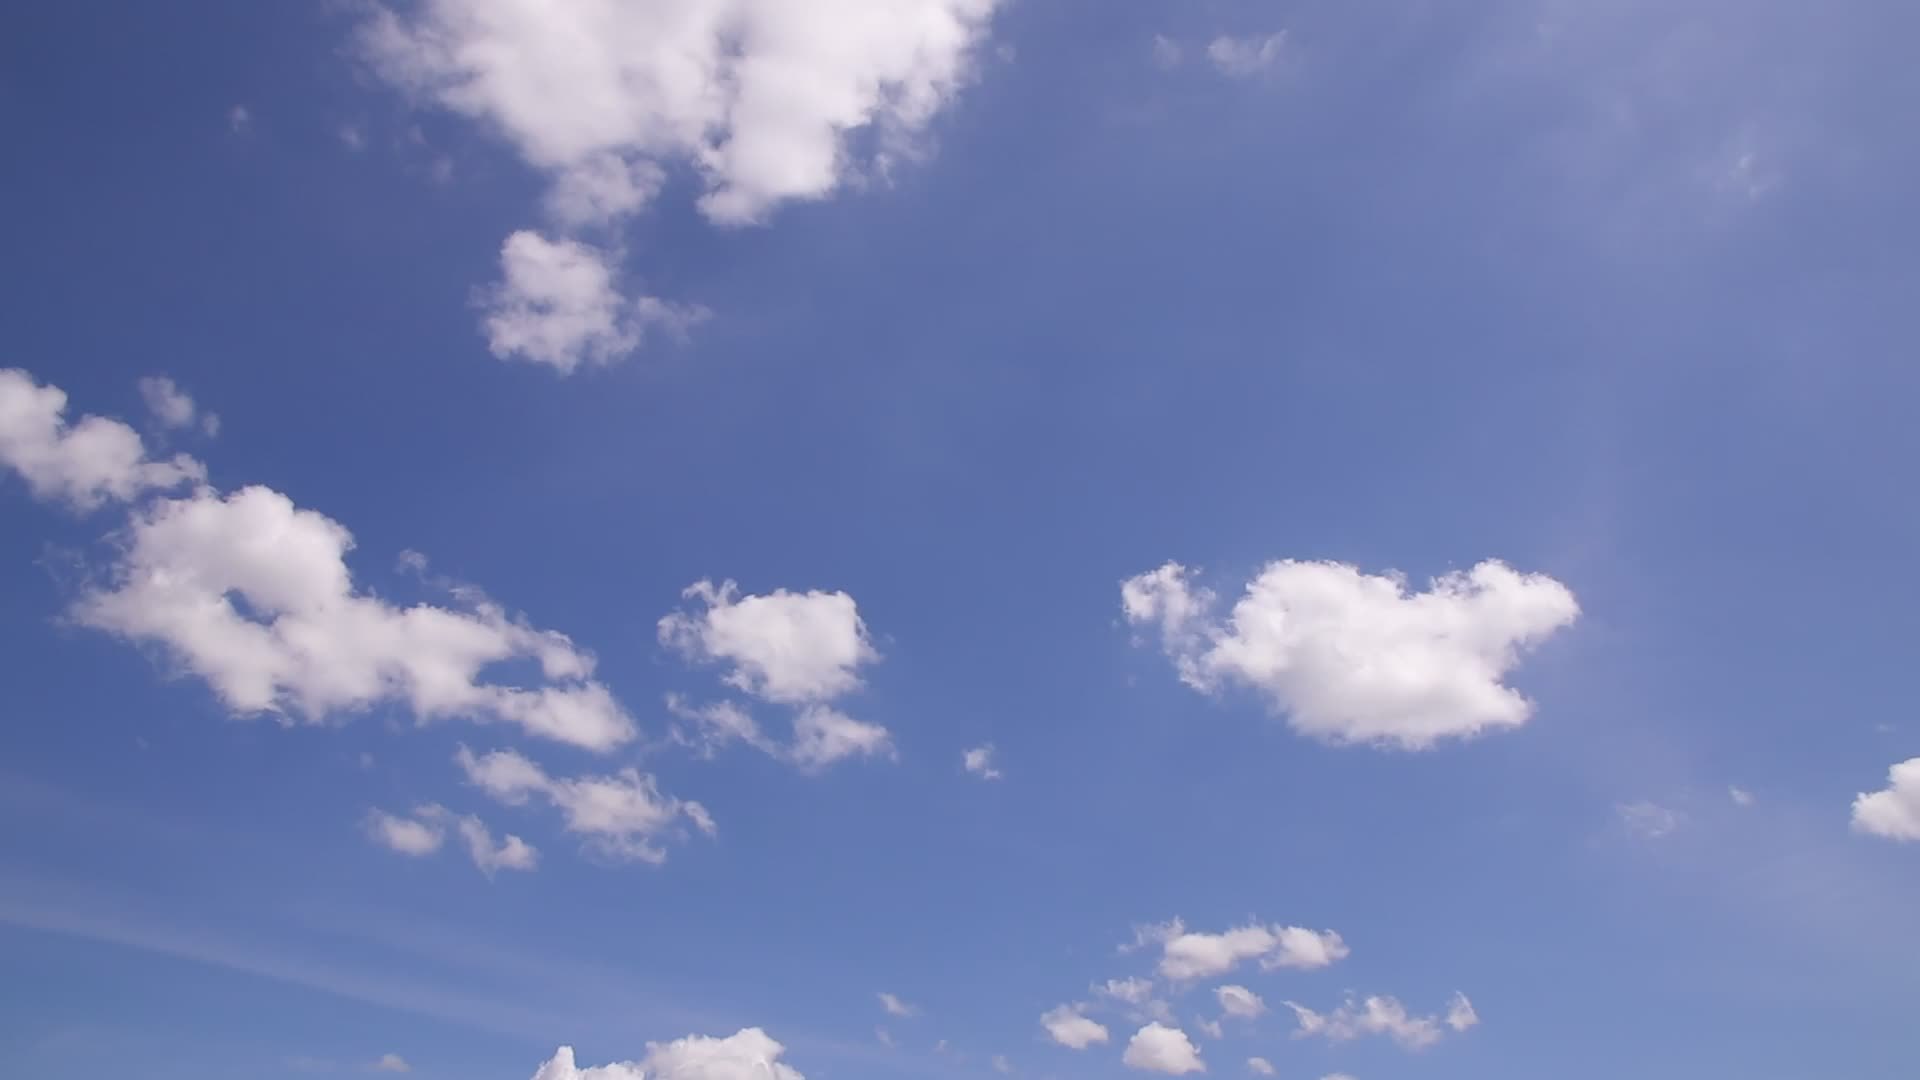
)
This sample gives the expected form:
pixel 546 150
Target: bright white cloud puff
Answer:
pixel 1351 657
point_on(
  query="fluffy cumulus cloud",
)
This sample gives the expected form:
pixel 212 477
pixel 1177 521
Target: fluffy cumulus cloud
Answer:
pixel 620 816
pixel 1186 955
pixel 1894 811
pixel 748 1054
pixel 759 97
pixel 253 595
pixel 800 650
pixel 425 830
pixel 1159 1048
pixel 1351 657
pixel 786 647
pixel 1260 1066
pixel 1069 1026
pixel 83 464
pixel 1241 57
pixel 1383 1016
pixel 558 303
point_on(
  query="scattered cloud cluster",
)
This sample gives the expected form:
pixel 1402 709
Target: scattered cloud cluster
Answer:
pixel 801 651
pixel 1352 657
pixel 622 816
pixel 748 1054
pixel 1384 1016
pixel 423 832
pixel 1894 811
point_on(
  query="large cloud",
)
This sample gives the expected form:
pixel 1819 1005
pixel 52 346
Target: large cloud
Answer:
pixel 253 595
pixel 758 96
pixel 1894 811
pixel 748 1054
pixel 83 464
pixel 1352 657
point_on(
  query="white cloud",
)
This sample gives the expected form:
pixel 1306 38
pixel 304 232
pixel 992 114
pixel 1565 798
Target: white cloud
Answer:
pixel 1648 819
pixel 749 1054
pixel 1244 56
pixel 604 188
pixel 1133 990
pixel 1337 1076
pixel 1355 658
pixel 1070 1027
pixel 1187 955
pixel 1210 1028
pixel 717 726
pixel 393 1063
pixel 423 833
pixel 979 762
pixel 1159 1048
pixel 885 1037
pixel 558 304
pixel 1001 1064
pixel 239 119
pixel 623 815
pixel 408 836
pixel 253 595
pixel 758 96
pixel 1740 796
pixel 1383 1016
pixel 1239 1001
pixel 824 735
pixel 1893 812
pixel 896 1007
pixel 1460 1013
pixel 1260 1066
pixel 1167 52
pixel 83 464
pixel 786 647
pixel 171 406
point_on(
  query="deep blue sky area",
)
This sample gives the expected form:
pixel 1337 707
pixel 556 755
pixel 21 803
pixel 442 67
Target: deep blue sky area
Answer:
pixel 1015 302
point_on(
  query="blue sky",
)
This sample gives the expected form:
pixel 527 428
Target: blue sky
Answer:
pixel 1409 507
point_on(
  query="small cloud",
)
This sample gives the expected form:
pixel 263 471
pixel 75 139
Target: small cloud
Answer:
pixel 352 137
pixel 170 406
pixel 885 1037
pixel 1740 796
pixel 392 1063
pixel 1001 1064
pixel 1259 1066
pixel 1648 819
pixel 1243 57
pixel 1166 52
pixel 896 1007
pixel 979 762
pixel 239 119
